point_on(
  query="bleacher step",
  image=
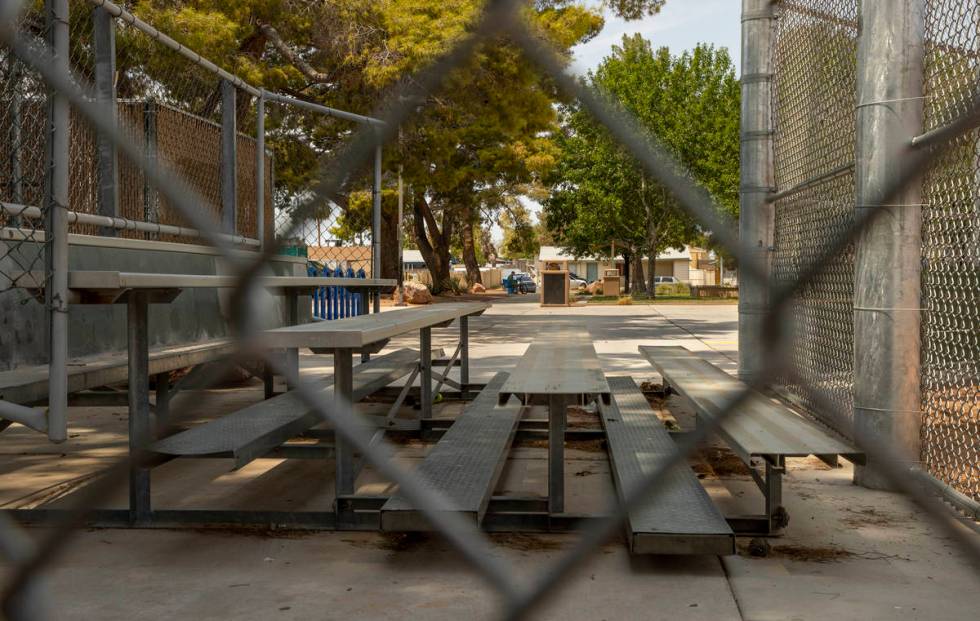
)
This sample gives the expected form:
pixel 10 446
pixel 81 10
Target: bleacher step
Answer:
pixel 465 464
pixel 681 518
pixel 252 432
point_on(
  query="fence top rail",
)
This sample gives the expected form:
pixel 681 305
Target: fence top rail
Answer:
pixel 309 105
pixel 131 280
pixel 364 330
pixel 20 235
pixel 123 15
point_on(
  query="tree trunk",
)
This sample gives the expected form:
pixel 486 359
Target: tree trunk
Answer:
pixel 638 282
pixel 469 249
pixel 389 242
pixel 627 260
pixel 433 244
pixel 652 236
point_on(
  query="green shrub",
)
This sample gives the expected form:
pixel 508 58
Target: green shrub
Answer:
pixel 673 289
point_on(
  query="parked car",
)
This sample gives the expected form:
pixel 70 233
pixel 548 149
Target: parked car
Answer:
pixel 525 284
pixel 576 281
pixel 666 280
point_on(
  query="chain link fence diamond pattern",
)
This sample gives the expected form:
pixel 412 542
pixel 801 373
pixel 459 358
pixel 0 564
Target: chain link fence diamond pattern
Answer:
pixel 23 120
pixel 518 599
pixel 814 90
pixel 951 254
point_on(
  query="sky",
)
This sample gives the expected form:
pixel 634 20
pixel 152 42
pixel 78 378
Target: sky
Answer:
pixel 680 25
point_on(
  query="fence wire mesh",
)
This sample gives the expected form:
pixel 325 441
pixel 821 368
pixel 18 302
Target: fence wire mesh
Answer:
pixel 333 237
pixel 814 90
pixel 951 254
pixel 301 207
pixel 23 119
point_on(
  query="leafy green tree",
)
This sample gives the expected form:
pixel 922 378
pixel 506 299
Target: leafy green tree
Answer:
pixel 602 198
pixel 520 235
pixel 484 136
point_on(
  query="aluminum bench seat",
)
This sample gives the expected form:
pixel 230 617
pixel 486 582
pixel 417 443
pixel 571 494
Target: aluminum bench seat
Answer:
pixel 29 385
pixel 560 367
pixel 466 463
pixel 760 427
pixel 255 430
pixel 681 518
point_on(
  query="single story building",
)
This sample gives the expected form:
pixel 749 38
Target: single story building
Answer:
pixel 689 264
pixel 412 259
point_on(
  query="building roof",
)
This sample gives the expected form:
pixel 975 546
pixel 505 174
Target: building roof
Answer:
pixel 554 253
pixel 412 256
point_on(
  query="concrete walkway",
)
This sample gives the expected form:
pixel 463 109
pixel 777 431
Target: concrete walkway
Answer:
pixel 848 553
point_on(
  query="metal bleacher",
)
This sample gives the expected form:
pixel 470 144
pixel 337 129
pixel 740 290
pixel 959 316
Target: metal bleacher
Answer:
pixel 682 519
pixel 466 463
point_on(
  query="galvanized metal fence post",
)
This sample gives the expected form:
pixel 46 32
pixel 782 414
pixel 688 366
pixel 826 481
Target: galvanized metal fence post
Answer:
pixel 151 200
pixel 16 184
pixel 260 167
pixel 56 228
pixel 888 252
pixel 104 43
pixel 376 223
pixel 229 158
pixel 755 214
pixel 400 235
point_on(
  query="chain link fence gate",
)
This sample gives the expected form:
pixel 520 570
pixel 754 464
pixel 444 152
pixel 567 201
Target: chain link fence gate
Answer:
pixel 22 597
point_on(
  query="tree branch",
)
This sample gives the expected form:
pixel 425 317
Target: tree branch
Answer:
pixel 295 59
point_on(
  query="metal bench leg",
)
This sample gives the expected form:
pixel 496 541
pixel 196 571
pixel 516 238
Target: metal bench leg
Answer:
pixel 425 370
pixel 362 309
pixel 292 319
pixel 464 345
pixel 268 382
pixel 775 512
pixel 343 386
pixel 556 452
pixel 162 381
pixel 139 404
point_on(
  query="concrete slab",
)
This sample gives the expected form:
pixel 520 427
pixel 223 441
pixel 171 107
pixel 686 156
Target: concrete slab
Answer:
pixel 849 553
pixel 360 575
pixel 852 553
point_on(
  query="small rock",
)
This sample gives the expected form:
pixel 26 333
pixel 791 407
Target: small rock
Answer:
pixel 417 293
pixel 478 288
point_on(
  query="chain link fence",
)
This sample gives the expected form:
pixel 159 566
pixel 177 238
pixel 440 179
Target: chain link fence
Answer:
pixel 170 106
pixel 814 98
pixel 814 110
pixel 333 237
pixel 23 119
pixel 951 253
pixel 814 90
